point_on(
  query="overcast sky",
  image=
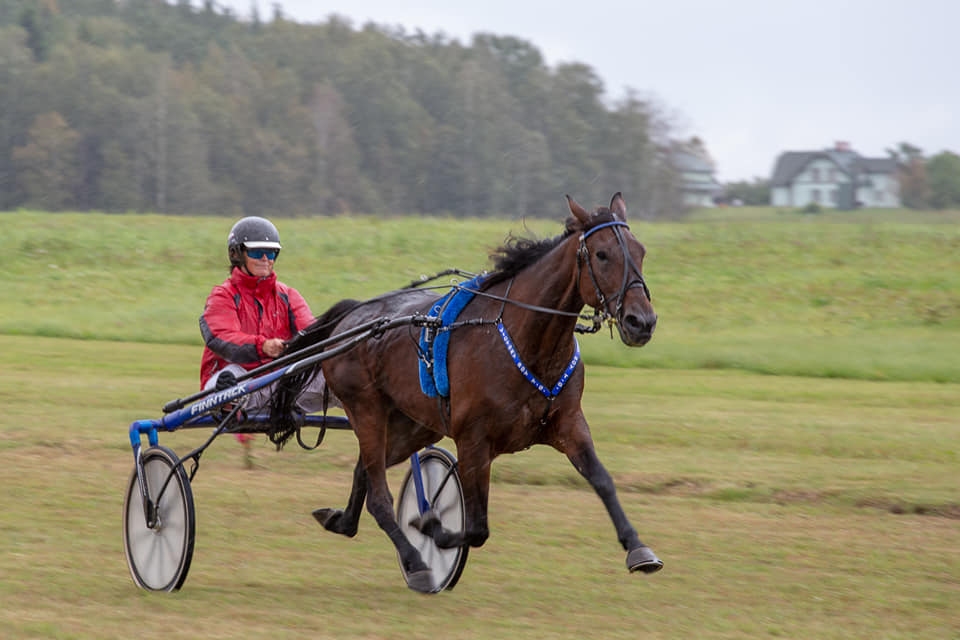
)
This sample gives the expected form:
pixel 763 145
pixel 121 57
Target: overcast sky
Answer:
pixel 751 78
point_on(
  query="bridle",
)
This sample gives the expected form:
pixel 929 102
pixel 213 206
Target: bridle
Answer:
pixel 631 272
pixel 600 311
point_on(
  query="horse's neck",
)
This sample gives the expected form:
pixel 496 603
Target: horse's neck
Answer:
pixel 550 283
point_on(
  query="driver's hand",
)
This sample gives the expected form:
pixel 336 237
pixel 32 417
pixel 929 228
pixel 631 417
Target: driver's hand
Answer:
pixel 273 347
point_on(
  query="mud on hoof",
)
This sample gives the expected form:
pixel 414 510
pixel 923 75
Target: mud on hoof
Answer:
pixel 643 559
pixel 421 581
pixel 333 520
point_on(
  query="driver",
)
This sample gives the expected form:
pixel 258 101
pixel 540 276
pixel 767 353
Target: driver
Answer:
pixel 248 318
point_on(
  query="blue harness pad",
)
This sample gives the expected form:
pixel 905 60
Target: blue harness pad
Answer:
pixel 434 342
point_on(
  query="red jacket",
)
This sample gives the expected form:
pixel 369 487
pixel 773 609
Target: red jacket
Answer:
pixel 241 314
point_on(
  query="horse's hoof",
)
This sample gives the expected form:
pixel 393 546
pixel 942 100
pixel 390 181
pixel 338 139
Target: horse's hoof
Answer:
pixel 426 523
pixel 421 581
pixel 429 524
pixel 332 520
pixel 326 517
pixel 643 559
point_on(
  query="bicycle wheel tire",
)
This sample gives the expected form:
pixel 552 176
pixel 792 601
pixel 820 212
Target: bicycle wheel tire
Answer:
pixel 443 490
pixel 159 557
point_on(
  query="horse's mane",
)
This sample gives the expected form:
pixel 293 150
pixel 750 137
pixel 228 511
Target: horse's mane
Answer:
pixel 518 253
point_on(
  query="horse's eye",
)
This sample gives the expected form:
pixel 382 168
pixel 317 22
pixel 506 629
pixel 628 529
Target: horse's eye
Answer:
pixel 602 255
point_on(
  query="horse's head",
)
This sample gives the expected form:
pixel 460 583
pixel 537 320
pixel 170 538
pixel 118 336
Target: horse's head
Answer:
pixel 609 266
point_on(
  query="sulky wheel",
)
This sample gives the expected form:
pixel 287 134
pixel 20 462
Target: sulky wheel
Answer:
pixel 443 491
pixel 159 556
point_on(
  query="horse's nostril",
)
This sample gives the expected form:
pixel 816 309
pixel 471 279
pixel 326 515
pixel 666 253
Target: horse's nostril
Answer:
pixel 641 324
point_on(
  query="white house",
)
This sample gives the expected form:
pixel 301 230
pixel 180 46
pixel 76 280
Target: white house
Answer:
pixel 698 185
pixel 839 178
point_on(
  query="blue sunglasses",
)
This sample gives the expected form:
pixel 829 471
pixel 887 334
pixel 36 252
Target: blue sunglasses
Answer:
pixel 256 254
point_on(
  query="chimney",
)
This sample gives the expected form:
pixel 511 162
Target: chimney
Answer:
pixel 841 145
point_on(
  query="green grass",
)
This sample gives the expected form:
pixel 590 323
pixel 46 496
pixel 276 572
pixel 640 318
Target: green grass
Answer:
pixel 867 295
pixel 787 443
pixel 782 507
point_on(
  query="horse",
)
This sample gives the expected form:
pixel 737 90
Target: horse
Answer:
pixel 516 331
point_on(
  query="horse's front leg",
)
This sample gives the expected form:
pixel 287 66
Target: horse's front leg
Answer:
pixel 347 520
pixel 474 472
pixel 474 469
pixel 639 556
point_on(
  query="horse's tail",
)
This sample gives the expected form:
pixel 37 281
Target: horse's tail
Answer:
pixel 283 422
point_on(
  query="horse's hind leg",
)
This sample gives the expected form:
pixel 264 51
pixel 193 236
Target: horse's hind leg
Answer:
pixel 639 556
pixel 346 521
pixel 380 506
pixel 373 456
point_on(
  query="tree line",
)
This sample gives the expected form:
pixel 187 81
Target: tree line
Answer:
pixel 927 182
pixel 149 105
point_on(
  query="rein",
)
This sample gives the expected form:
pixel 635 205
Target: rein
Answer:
pixel 596 316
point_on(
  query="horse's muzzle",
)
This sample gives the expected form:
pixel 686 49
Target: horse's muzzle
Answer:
pixel 636 330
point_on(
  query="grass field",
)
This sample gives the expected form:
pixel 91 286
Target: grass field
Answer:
pixel 788 444
pixel 782 507
pixel 835 295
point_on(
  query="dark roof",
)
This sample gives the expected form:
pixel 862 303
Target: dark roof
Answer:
pixel 843 158
pixel 877 165
pixel 790 163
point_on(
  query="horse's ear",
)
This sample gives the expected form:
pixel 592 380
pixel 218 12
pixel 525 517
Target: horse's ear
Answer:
pixel 578 212
pixel 619 207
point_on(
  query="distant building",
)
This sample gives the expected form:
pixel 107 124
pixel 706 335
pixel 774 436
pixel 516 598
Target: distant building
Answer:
pixel 698 184
pixel 838 178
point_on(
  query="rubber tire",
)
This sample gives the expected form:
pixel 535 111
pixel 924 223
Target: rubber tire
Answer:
pixel 159 559
pixel 446 565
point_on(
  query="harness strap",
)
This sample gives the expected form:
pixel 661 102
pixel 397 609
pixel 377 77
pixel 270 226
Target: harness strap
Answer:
pixel 549 393
pixel 615 223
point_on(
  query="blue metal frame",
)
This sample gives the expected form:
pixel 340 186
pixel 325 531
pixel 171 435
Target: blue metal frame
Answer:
pixel 423 505
pixel 198 414
pixel 198 411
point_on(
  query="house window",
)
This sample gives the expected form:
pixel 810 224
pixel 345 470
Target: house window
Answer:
pixel 815 195
pixel 832 175
pixel 833 196
pixel 815 175
pixel 878 195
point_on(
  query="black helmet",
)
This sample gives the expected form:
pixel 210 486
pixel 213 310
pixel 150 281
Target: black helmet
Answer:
pixel 251 232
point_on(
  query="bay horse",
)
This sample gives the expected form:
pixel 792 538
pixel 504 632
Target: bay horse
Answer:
pixel 528 306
